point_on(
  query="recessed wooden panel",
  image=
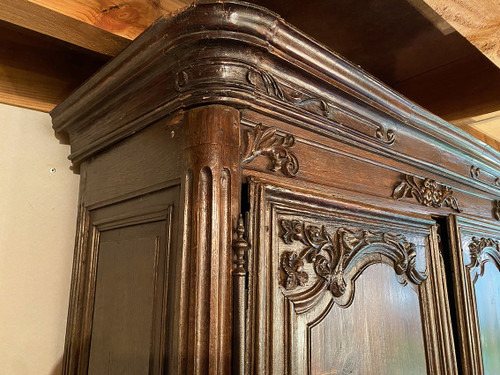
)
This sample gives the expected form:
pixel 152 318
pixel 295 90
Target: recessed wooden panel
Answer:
pixel 487 289
pixel 137 164
pixel 476 279
pixel 127 269
pixel 380 333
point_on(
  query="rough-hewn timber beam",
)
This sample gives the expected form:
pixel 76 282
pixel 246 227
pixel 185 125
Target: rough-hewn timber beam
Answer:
pixel 127 18
pixel 476 20
pixel 49 22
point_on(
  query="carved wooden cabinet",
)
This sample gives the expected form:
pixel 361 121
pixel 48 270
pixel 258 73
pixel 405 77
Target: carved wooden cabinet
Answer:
pixel 252 203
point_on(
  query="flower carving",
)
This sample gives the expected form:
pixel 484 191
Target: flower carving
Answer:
pixel 427 192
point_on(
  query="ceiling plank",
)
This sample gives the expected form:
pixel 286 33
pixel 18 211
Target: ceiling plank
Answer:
pixel 127 18
pixel 476 20
pixel 49 22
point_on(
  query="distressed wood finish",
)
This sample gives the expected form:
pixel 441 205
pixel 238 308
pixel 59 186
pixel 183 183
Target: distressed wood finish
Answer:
pixel 343 186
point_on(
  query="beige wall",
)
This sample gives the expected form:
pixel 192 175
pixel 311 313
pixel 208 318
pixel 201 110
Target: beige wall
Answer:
pixel 37 225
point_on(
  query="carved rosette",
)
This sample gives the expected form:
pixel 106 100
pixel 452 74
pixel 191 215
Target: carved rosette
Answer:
pixel 481 251
pixel 276 148
pixel 337 260
pixel 427 192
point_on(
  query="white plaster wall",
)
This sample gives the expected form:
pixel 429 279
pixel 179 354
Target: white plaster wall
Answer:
pixel 37 225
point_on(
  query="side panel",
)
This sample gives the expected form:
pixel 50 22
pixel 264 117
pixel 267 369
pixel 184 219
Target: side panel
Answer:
pixel 122 287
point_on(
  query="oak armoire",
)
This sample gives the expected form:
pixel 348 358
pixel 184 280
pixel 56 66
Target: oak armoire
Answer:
pixel 252 203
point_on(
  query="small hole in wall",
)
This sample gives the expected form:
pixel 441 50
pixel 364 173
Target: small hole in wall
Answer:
pixel 52 170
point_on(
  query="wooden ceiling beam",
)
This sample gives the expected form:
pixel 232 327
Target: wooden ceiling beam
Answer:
pixel 45 21
pixel 477 20
pixel 39 72
pixel 126 18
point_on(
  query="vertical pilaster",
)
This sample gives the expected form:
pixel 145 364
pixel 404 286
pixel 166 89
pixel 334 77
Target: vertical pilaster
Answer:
pixel 211 199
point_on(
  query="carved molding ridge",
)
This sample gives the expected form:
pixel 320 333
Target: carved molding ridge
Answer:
pixel 476 172
pixel 427 192
pixel 206 75
pixel 313 104
pixel 479 249
pixel 337 260
pixel 276 148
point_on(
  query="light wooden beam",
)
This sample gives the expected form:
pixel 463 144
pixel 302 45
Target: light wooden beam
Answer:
pixel 476 20
pixel 45 21
pixel 37 71
pixel 126 18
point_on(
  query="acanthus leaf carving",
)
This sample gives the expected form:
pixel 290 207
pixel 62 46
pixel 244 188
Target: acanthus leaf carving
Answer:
pixel 334 257
pixel 427 192
pixel 266 142
pixel 479 249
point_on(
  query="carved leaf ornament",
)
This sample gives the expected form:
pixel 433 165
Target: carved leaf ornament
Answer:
pixel 482 250
pixel 276 148
pixel 427 192
pixel 333 257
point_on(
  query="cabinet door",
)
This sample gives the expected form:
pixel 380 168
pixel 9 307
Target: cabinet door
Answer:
pixel 339 289
pixel 475 245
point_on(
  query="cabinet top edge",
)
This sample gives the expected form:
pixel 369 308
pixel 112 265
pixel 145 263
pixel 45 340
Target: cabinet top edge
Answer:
pixel 250 23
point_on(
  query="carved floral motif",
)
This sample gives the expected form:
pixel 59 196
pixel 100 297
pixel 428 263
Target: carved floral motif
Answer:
pixel 479 249
pixel 266 142
pixel 333 257
pixel 427 192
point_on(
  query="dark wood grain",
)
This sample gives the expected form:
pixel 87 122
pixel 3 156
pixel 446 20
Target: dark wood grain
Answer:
pixel 344 188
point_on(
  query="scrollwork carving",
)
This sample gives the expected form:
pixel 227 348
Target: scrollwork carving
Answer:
pixel 266 142
pixel 386 136
pixel 479 248
pixel 475 172
pixel 427 192
pixel 334 257
pixel 496 209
